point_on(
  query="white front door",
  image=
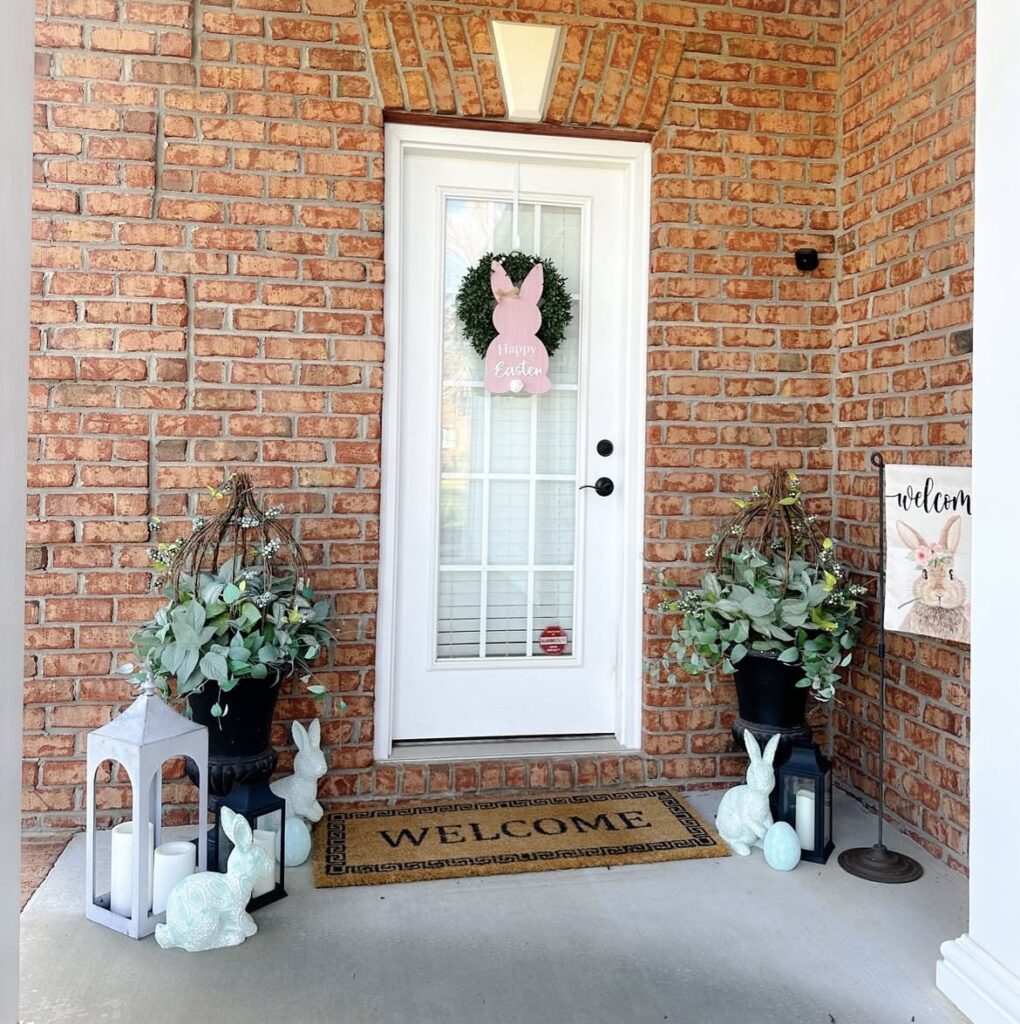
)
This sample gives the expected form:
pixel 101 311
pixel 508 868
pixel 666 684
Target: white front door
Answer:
pixel 513 594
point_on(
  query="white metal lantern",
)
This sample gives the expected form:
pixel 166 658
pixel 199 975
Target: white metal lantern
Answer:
pixel 146 735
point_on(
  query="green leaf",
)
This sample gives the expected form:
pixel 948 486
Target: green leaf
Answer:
pixel 188 665
pixel 738 653
pixel 757 606
pixel 171 657
pixel 822 621
pixel 214 666
pixel 216 711
pixel 789 656
pixel 779 633
pixel 231 593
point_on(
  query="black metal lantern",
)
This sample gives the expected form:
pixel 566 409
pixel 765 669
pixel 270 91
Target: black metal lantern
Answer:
pixel 266 813
pixel 803 798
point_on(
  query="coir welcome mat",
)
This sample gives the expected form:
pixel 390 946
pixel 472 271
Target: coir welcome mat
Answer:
pixel 493 837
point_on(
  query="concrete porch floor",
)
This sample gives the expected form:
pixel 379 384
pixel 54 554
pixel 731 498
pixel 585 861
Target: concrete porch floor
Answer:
pixel 724 941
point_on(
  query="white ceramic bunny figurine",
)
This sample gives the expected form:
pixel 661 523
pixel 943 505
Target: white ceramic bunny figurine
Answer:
pixel 940 605
pixel 301 788
pixel 744 816
pixel 206 911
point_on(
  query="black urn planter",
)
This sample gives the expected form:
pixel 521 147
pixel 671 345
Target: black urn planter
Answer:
pixel 239 747
pixel 770 702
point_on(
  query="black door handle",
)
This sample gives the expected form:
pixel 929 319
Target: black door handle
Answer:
pixel 603 487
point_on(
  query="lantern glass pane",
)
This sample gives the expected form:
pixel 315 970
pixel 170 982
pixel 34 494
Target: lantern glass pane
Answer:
pixel 798 807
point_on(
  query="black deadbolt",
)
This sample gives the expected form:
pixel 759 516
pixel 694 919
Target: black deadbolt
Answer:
pixel 604 447
pixel 603 487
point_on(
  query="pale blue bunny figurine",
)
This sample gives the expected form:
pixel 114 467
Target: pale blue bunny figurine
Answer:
pixel 744 816
pixel 206 911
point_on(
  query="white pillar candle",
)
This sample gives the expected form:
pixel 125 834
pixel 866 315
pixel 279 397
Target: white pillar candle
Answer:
pixel 265 882
pixel 806 819
pixel 171 863
pixel 121 847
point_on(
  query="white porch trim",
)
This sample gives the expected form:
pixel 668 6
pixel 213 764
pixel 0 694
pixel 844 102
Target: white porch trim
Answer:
pixel 986 991
pixel 980 971
pixel 16 55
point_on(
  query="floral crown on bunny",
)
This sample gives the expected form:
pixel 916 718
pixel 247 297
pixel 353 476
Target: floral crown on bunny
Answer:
pixel 929 556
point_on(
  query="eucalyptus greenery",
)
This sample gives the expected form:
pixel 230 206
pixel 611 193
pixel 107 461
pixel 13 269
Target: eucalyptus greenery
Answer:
pixel 227 627
pixel 475 301
pixel 803 613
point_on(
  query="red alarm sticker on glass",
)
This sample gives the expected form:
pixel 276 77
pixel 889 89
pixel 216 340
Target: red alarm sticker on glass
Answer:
pixel 553 640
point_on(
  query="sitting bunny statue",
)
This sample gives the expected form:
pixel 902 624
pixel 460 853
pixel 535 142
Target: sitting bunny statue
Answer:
pixel 206 911
pixel 300 790
pixel 744 816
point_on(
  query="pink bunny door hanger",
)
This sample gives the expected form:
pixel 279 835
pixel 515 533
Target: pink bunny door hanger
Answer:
pixel 516 361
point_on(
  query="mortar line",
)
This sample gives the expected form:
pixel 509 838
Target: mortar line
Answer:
pixel 195 39
pixel 189 355
pixel 157 186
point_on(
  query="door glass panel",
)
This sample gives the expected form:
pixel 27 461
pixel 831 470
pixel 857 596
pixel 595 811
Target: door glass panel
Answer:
pixel 509 514
pixel 506 614
pixel 460 536
pixel 461 445
pixel 556 432
pixel 511 434
pixel 561 242
pixel 554 522
pixel 508 465
pixel 459 613
pixel 553 606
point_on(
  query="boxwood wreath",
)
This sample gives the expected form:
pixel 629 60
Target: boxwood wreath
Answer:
pixel 475 301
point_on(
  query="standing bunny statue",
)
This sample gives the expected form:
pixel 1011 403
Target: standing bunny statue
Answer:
pixel 939 607
pixel 516 360
pixel 206 911
pixel 744 816
pixel 300 790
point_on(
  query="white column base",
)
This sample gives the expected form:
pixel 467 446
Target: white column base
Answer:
pixel 982 988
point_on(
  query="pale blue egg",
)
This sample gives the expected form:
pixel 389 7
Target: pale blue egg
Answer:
pixel 782 847
pixel 299 842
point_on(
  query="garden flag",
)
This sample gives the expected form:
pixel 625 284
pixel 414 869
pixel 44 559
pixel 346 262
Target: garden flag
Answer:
pixel 928 535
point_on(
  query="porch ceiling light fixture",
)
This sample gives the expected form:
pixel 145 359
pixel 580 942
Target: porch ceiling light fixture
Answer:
pixel 526 57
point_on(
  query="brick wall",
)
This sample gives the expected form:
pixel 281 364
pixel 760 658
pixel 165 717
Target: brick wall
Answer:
pixel 208 295
pixel 740 347
pixel 904 372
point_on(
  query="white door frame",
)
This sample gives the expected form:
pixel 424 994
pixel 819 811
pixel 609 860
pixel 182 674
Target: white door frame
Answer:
pixel 634 159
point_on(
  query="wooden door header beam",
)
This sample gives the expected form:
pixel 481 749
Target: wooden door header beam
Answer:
pixel 490 125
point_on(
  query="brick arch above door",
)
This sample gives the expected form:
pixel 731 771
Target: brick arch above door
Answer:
pixel 439 58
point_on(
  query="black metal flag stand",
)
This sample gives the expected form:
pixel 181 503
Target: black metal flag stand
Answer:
pixel 877 863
